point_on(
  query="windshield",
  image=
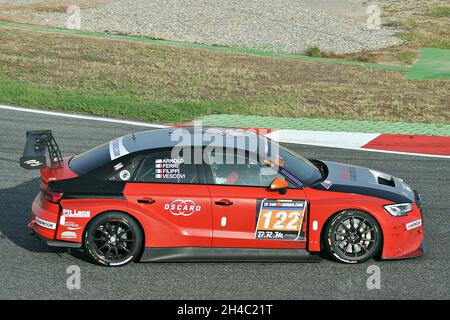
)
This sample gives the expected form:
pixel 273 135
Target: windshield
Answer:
pixel 300 167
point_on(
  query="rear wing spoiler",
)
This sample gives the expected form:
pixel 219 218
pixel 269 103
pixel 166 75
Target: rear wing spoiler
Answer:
pixel 34 154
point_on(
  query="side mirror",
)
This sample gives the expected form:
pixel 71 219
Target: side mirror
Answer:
pixel 280 185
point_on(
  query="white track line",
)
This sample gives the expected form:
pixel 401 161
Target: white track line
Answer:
pixel 340 140
pixel 77 116
pixel 315 137
pixel 324 138
pixel 375 150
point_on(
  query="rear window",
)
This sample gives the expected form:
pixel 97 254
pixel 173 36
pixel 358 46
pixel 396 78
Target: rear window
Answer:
pixel 90 160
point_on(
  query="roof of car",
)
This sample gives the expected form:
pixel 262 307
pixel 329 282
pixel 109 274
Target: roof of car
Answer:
pixel 192 137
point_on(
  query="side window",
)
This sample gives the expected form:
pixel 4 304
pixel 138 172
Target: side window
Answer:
pixel 243 171
pixel 161 168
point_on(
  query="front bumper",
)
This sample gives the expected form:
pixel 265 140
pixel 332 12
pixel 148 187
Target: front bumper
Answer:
pixel 404 237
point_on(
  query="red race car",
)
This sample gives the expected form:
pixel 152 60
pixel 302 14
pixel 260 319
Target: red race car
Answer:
pixel 190 194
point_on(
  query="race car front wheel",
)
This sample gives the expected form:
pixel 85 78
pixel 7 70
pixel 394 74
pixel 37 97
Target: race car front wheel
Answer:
pixel 352 236
pixel 113 239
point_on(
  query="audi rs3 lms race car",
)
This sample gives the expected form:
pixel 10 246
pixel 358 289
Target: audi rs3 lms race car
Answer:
pixel 216 194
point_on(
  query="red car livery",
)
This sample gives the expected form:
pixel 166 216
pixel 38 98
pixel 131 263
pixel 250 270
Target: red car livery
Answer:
pixel 188 194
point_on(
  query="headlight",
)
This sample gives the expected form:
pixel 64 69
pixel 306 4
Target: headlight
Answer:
pixel 399 210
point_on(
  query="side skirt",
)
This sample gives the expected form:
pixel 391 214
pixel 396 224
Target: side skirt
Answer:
pixel 202 254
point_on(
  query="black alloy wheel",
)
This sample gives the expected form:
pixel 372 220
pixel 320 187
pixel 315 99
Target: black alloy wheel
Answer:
pixel 353 236
pixel 113 239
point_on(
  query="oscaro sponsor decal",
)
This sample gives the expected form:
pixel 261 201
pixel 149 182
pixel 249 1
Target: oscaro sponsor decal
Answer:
pixel 413 224
pixel 74 213
pixel 181 207
pixel 45 224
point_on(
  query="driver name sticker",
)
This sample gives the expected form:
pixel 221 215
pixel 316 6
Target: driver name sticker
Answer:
pixel 280 219
pixel 169 169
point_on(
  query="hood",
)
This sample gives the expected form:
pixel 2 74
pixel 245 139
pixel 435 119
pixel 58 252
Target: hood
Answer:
pixel 364 181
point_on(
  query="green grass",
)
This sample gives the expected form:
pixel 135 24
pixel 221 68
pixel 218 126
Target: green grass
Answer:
pixel 427 39
pixel 314 52
pixel 431 29
pixel 439 12
pixel 170 84
pixel 408 57
pixel 421 24
pixel 24 93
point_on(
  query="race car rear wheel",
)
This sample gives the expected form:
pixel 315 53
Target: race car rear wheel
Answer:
pixel 113 239
pixel 353 236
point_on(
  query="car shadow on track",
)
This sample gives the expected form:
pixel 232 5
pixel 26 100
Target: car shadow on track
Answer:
pixel 15 208
pixel 15 214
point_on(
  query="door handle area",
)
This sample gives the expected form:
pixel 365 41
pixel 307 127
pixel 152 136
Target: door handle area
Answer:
pixel 224 202
pixel 146 201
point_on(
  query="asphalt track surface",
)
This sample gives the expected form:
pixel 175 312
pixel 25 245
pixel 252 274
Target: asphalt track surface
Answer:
pixel 31 270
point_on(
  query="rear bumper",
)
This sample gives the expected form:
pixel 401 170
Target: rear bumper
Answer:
pixel 44 219
pixel 44 222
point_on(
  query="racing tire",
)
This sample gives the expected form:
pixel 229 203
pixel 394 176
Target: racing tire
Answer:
pixel 113 239
pixel 352 236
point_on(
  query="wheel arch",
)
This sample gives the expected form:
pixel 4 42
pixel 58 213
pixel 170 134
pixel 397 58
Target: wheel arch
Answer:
pixel 138 222
pixel 330 218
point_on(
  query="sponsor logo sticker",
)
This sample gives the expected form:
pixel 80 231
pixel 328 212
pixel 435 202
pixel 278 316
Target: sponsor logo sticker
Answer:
pixel 414 224
pixel 73 228
pixel 124 175
pixel 181 207
pixel 45 224
pixel 327 184
pixel 118 166
pixel 74 213
pixel 117 149
pixel 68 235
pixel 33 163
pixel 291 177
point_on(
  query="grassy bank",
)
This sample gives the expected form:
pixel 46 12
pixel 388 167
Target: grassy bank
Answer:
pixel 170 84
pixel 422 24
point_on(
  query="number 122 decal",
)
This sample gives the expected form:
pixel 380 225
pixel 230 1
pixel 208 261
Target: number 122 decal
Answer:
pixel 280 219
